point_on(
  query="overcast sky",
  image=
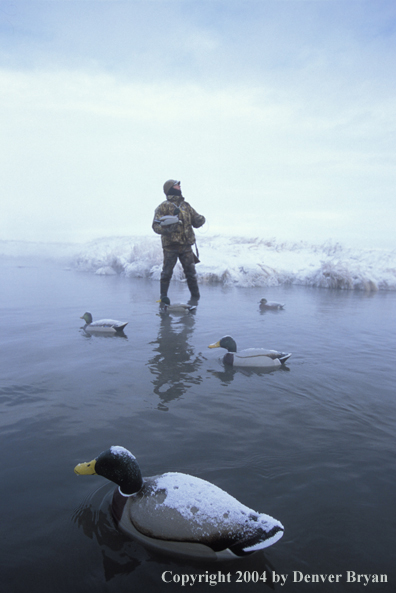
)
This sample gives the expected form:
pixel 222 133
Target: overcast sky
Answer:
pixel 278 116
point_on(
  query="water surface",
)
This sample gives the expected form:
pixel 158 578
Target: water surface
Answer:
pixel 311 444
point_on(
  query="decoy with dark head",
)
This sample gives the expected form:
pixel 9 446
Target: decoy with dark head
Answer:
pixel 167 307
pixel 250 357
pixel 180 514
pixel 266 305
pixel 110 326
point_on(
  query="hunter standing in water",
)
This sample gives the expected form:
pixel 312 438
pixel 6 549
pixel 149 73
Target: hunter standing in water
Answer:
pixel 174 220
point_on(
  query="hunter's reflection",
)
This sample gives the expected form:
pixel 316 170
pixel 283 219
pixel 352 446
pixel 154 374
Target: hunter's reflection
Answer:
pixel 174 364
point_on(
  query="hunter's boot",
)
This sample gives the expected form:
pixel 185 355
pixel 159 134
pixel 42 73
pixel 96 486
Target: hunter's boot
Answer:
pixel 164 286
pixel 192 284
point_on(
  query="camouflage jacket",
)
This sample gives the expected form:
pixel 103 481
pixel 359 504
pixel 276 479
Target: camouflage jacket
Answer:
pixel 177 234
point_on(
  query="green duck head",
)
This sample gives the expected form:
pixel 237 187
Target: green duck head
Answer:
pixel 164 300
pixel 87 317
pixel 227 342
pixel 116 464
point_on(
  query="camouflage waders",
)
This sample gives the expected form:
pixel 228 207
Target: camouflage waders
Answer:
pixel 186 257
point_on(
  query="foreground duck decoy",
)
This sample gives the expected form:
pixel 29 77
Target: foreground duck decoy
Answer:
pixel 180 514
pixel 251 357
pixel 110 326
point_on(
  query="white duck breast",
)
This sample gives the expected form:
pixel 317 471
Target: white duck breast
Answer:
pixel 257 357
pixel 183 508
pixel 106 325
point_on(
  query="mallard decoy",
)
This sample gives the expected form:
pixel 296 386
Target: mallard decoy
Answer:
pixel 264 304
pixel 251 357
pixel 110 326
pixel 176 308
pixel 180 514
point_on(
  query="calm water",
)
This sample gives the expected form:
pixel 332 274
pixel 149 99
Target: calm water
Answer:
pixel 313 445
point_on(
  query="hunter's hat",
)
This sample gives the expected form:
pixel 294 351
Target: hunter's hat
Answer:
pixel 169 184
